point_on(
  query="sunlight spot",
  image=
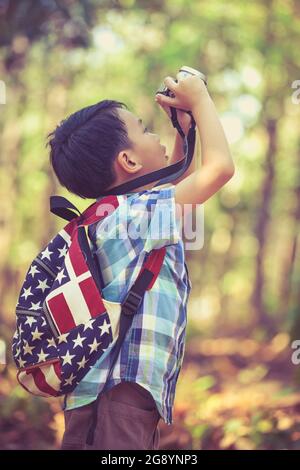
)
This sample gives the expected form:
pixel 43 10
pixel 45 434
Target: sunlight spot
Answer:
pixel 233 126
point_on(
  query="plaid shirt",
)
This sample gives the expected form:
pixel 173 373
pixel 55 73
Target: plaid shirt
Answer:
pixel 153 350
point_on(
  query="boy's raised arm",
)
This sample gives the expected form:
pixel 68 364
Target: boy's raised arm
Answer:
pixel 217 164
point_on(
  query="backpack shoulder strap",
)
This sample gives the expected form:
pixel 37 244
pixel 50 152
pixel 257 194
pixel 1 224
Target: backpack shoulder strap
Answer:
pixel 145 280
pixel 60 206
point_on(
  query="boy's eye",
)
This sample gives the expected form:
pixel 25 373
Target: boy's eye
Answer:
pixel 146 129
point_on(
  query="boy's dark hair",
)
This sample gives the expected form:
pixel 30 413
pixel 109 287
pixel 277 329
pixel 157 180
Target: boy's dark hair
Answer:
pixel 84 146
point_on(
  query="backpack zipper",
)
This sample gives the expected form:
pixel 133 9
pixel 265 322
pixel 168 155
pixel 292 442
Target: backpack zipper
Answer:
pixel 44 265
pixel 39 364
pixel 30 313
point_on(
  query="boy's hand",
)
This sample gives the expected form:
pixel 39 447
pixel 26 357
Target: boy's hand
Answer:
pixel 187 92
pixel 184 119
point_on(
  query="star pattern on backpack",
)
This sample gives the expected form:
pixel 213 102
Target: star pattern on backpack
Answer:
pixel 75 348
pixel 42 343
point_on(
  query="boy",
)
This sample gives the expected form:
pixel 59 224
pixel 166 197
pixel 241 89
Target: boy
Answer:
pixel 94 150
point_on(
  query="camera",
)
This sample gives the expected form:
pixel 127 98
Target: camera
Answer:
pixel 183 72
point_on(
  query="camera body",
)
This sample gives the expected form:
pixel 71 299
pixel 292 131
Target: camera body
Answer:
pixel 183 72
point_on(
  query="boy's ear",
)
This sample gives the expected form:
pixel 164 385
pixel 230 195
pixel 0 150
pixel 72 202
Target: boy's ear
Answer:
pixel 129 162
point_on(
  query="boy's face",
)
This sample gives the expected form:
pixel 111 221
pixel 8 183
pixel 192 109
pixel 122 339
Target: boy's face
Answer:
pixel 147 154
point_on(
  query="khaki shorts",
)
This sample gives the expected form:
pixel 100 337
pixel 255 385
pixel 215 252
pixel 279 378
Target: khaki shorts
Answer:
pixel 127 420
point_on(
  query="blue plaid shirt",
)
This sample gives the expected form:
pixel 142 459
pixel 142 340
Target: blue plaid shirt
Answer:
pixel 153 350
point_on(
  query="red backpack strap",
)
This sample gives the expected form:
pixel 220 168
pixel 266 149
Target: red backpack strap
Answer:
pixel 154 264
pixel 145 280
pixel 99 209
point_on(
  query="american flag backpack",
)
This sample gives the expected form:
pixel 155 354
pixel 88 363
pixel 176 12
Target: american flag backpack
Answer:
pixel 63 325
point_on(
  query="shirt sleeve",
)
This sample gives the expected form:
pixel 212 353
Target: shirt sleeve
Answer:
pixel 146 220
pixel 153 221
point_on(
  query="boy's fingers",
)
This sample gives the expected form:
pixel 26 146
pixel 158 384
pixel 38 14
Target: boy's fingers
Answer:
pixel 163 106
pixel 170 83
pixel 166 100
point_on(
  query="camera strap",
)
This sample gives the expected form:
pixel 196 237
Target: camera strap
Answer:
pixel 169 173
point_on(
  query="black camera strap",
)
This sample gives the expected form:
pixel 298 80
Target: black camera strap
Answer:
pixel 169 173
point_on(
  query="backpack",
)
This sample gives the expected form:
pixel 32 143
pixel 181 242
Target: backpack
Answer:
pixel 63 324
